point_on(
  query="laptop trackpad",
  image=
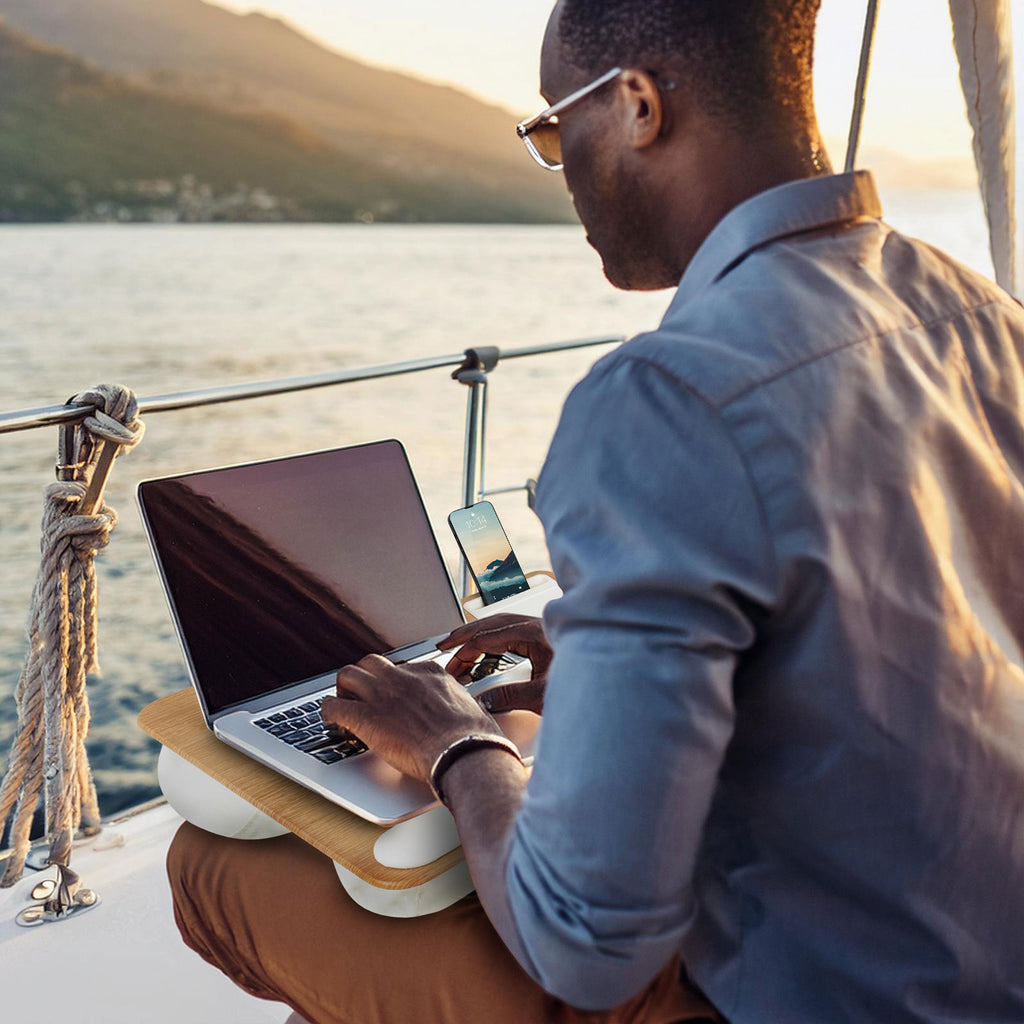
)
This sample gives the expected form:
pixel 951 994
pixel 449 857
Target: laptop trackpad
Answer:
pixel 421 840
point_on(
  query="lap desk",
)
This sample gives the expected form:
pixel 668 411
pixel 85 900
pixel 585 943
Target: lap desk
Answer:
pixel 177 722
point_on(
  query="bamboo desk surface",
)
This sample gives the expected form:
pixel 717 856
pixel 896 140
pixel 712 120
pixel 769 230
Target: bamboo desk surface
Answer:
pixel 177 722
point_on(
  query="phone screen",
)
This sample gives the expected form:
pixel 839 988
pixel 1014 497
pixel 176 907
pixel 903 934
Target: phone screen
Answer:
pixel 488 552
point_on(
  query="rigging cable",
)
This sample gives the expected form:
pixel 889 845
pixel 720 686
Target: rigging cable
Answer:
pixel 857 120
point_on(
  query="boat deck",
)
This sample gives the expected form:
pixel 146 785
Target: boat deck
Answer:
pixel 122 962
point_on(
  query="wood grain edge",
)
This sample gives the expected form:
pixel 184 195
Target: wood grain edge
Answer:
pixel 176 721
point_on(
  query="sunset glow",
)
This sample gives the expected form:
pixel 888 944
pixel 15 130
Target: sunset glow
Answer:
pixel 915 106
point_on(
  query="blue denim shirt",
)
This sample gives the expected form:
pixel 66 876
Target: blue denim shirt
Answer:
pixel 784 728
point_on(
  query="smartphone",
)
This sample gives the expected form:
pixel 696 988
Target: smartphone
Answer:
pixel 487 551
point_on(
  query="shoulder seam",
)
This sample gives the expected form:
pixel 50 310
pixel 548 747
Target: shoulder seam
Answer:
pixel 817 356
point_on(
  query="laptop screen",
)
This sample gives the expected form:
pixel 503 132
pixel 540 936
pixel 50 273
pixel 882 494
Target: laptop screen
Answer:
pixel 285 570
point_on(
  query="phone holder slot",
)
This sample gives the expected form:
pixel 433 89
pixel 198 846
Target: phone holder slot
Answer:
pixel 543 588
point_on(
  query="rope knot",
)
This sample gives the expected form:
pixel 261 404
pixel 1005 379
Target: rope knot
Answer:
pixel 115 417
pixel 48 751
pixel 62 523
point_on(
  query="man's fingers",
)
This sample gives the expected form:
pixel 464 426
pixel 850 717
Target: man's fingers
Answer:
pixel 344 714
pixel 489 626
pixel 355 681
pixel 449 641
pixel 499 634
pixel 460 635
pixel 375 663
pixel 515 697
pixel 492 641
pixel 463 660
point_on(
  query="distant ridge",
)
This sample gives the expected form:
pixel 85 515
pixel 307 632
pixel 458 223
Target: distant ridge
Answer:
pixel 81 144
pixel 898 171
pixel 458 155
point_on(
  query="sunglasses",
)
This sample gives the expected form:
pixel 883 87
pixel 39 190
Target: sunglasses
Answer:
pixel 541 133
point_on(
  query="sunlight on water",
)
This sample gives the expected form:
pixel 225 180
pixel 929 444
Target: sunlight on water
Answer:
pixel 171 308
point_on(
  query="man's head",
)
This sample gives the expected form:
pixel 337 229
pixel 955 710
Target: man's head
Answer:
pixel 715 104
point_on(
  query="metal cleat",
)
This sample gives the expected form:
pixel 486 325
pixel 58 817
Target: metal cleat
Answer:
pixel 44 890
pixel 62 898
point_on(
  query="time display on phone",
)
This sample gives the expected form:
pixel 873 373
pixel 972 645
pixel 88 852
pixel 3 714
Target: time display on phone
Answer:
pixel 487 551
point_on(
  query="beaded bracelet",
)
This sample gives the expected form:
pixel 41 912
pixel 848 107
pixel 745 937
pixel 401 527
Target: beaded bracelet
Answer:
pixel 451 753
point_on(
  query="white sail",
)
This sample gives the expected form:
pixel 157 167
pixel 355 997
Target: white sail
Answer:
pixel 983 38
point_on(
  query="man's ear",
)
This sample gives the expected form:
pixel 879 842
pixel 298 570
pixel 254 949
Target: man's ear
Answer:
pixel 644 113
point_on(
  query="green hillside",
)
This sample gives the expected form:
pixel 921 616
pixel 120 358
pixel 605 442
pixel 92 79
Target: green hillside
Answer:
pixel 452 152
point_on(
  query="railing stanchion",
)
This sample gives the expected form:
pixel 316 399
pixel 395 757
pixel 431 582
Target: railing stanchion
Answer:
pixel 473 373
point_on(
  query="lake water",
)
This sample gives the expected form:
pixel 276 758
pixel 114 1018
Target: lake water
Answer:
pixel 169 308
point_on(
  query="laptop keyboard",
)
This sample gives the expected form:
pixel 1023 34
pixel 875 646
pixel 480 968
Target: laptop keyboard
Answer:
pixel 302 728
pixel 491 663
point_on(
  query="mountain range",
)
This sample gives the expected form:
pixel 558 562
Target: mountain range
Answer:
pixel 183 110
pixel 179 109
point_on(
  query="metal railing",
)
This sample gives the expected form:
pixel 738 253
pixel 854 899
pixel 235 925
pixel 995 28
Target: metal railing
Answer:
pixel 471 368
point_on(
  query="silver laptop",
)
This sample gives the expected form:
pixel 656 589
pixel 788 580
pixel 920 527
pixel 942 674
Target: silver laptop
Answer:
pixel 279 573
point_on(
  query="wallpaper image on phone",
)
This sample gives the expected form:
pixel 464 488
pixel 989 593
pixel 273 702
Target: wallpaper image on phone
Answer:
pixel 487 549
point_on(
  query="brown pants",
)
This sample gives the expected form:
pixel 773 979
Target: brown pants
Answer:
pixel 274 918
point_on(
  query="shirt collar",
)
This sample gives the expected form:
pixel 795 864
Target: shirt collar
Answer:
pixel 784 210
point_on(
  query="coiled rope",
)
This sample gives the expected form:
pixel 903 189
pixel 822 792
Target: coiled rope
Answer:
pixel 53 707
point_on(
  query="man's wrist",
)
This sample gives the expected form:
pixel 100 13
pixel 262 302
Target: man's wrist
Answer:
pixel 462 746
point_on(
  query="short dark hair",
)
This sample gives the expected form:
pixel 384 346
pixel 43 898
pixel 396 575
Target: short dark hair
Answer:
pixel 739 57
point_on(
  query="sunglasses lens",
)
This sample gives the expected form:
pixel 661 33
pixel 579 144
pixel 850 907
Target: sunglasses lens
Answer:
pixel 547 143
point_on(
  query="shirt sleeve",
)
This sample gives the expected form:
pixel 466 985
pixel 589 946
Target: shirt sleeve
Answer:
pixel 659 543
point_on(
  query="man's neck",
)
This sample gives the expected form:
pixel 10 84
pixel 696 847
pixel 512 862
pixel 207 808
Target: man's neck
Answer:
pixel 720 170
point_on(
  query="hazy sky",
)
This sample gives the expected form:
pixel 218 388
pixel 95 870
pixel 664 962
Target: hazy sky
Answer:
pixel 491 49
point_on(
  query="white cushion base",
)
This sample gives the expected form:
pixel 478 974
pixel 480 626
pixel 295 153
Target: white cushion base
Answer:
pixel 420 900
pixel 202 800
pixel 208 804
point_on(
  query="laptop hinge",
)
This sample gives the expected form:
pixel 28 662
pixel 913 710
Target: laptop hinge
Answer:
pixel 399 656
pixel 417 650
pixel 281 696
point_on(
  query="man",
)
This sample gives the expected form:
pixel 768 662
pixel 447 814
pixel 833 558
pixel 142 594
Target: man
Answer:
pixel 783 733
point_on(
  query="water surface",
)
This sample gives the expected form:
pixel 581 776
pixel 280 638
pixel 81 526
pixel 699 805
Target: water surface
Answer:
pixel 168 308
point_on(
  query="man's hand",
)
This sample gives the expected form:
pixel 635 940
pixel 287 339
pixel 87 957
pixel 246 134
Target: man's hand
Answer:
pixel 503 634
pixel 408 714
